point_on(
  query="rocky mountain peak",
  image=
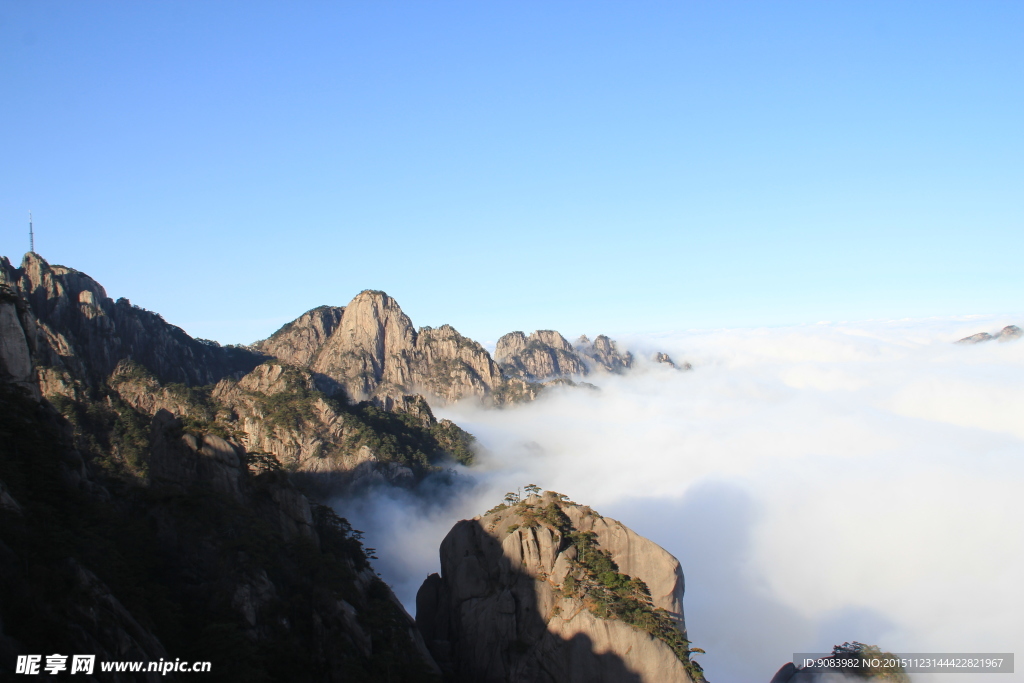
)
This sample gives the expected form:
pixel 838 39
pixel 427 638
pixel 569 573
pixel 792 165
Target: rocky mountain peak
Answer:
pixel 604 354
pixel 543 589
pixel 299 341
pixel 544 355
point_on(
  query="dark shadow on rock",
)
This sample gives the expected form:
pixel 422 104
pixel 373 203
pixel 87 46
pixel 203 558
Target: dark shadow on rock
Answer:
pixel 482 623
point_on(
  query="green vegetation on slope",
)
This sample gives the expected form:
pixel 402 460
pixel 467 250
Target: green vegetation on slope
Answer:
pixel 873 664
pixel 415 441
pixel 595 578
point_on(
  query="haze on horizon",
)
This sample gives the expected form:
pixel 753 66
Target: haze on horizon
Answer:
pixel 578 166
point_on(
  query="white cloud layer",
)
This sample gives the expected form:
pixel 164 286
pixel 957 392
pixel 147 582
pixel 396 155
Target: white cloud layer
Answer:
pixel 818 484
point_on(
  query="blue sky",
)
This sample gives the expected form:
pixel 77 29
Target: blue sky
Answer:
pixel 587 166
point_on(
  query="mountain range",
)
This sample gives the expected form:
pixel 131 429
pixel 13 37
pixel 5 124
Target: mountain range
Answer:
pixel 162 497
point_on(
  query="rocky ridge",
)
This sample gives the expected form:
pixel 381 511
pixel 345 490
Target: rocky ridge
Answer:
pixel 546 355
pixel 1008 333
pixel 371 351
pixel 545 590
pixel 603 354
pixel 70 353
pixel 277 410
pixel 74 330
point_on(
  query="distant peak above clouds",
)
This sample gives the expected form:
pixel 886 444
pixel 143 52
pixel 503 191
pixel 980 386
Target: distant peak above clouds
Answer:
pixel 1008 333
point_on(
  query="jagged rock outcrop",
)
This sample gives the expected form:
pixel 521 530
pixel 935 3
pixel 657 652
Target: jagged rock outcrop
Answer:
pixel 371 350
pixel 544 355
pixel 604 354
pixel 548 591
pixel 300 340
pixel 71 324
pixel 665 359
pixel 1008 333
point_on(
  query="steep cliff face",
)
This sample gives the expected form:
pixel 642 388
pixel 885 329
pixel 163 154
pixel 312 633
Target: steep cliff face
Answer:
pixel 300 340
pixel 371 350
pixel 70 324
pixel 545 591
pixel 15 354
pixel 544 355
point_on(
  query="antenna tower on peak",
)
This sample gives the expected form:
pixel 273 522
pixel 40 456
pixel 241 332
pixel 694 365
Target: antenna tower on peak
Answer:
pixel 31 236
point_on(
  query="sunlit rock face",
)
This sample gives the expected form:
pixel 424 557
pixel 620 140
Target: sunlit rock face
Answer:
pixel 371 351
pixel 544 355
pixel 300 340
pixel 520 598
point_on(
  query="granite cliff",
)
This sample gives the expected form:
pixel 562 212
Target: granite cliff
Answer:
pixel 603 354
pixel 547 355
pixel 544 590
pixel 371 351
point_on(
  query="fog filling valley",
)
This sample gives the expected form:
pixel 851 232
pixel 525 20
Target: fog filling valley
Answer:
pixel 818 484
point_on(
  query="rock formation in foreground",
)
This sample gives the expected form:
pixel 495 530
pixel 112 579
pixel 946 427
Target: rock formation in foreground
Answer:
pixel 1008 333
pixel 547 591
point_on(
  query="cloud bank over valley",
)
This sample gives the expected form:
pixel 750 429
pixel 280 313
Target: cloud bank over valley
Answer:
pixel 818 484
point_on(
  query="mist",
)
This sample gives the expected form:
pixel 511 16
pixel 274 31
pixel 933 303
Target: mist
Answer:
pixel 819 484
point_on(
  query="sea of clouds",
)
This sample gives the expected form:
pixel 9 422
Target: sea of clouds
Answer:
pixel 819 484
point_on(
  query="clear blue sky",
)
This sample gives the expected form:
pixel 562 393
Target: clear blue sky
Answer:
pixel 588 166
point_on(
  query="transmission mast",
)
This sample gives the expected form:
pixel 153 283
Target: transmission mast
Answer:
pixel 31 236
